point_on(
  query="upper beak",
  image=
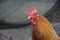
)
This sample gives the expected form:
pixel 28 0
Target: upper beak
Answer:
pixel 29 17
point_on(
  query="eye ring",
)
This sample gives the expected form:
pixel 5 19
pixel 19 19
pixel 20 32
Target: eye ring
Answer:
pixel 38 15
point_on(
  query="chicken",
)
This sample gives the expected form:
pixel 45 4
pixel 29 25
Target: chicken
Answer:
pixel 42 28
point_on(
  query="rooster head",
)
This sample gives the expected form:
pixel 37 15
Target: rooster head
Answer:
pixel 33 15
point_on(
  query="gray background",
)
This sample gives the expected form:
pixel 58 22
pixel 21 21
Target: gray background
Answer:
pixel 13 11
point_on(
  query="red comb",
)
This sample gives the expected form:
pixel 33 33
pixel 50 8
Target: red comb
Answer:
pixel 32 11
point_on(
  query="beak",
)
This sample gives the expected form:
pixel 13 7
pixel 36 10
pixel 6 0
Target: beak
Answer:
pixel 29 17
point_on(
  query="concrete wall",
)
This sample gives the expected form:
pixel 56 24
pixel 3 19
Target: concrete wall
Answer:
pixel 16 10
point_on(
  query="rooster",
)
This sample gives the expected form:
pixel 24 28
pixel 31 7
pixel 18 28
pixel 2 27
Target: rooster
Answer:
pixel 42 28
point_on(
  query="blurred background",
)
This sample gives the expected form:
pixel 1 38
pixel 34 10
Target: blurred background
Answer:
pixel 14 24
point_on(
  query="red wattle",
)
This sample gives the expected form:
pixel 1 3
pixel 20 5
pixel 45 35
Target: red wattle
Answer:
pixel 34 20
